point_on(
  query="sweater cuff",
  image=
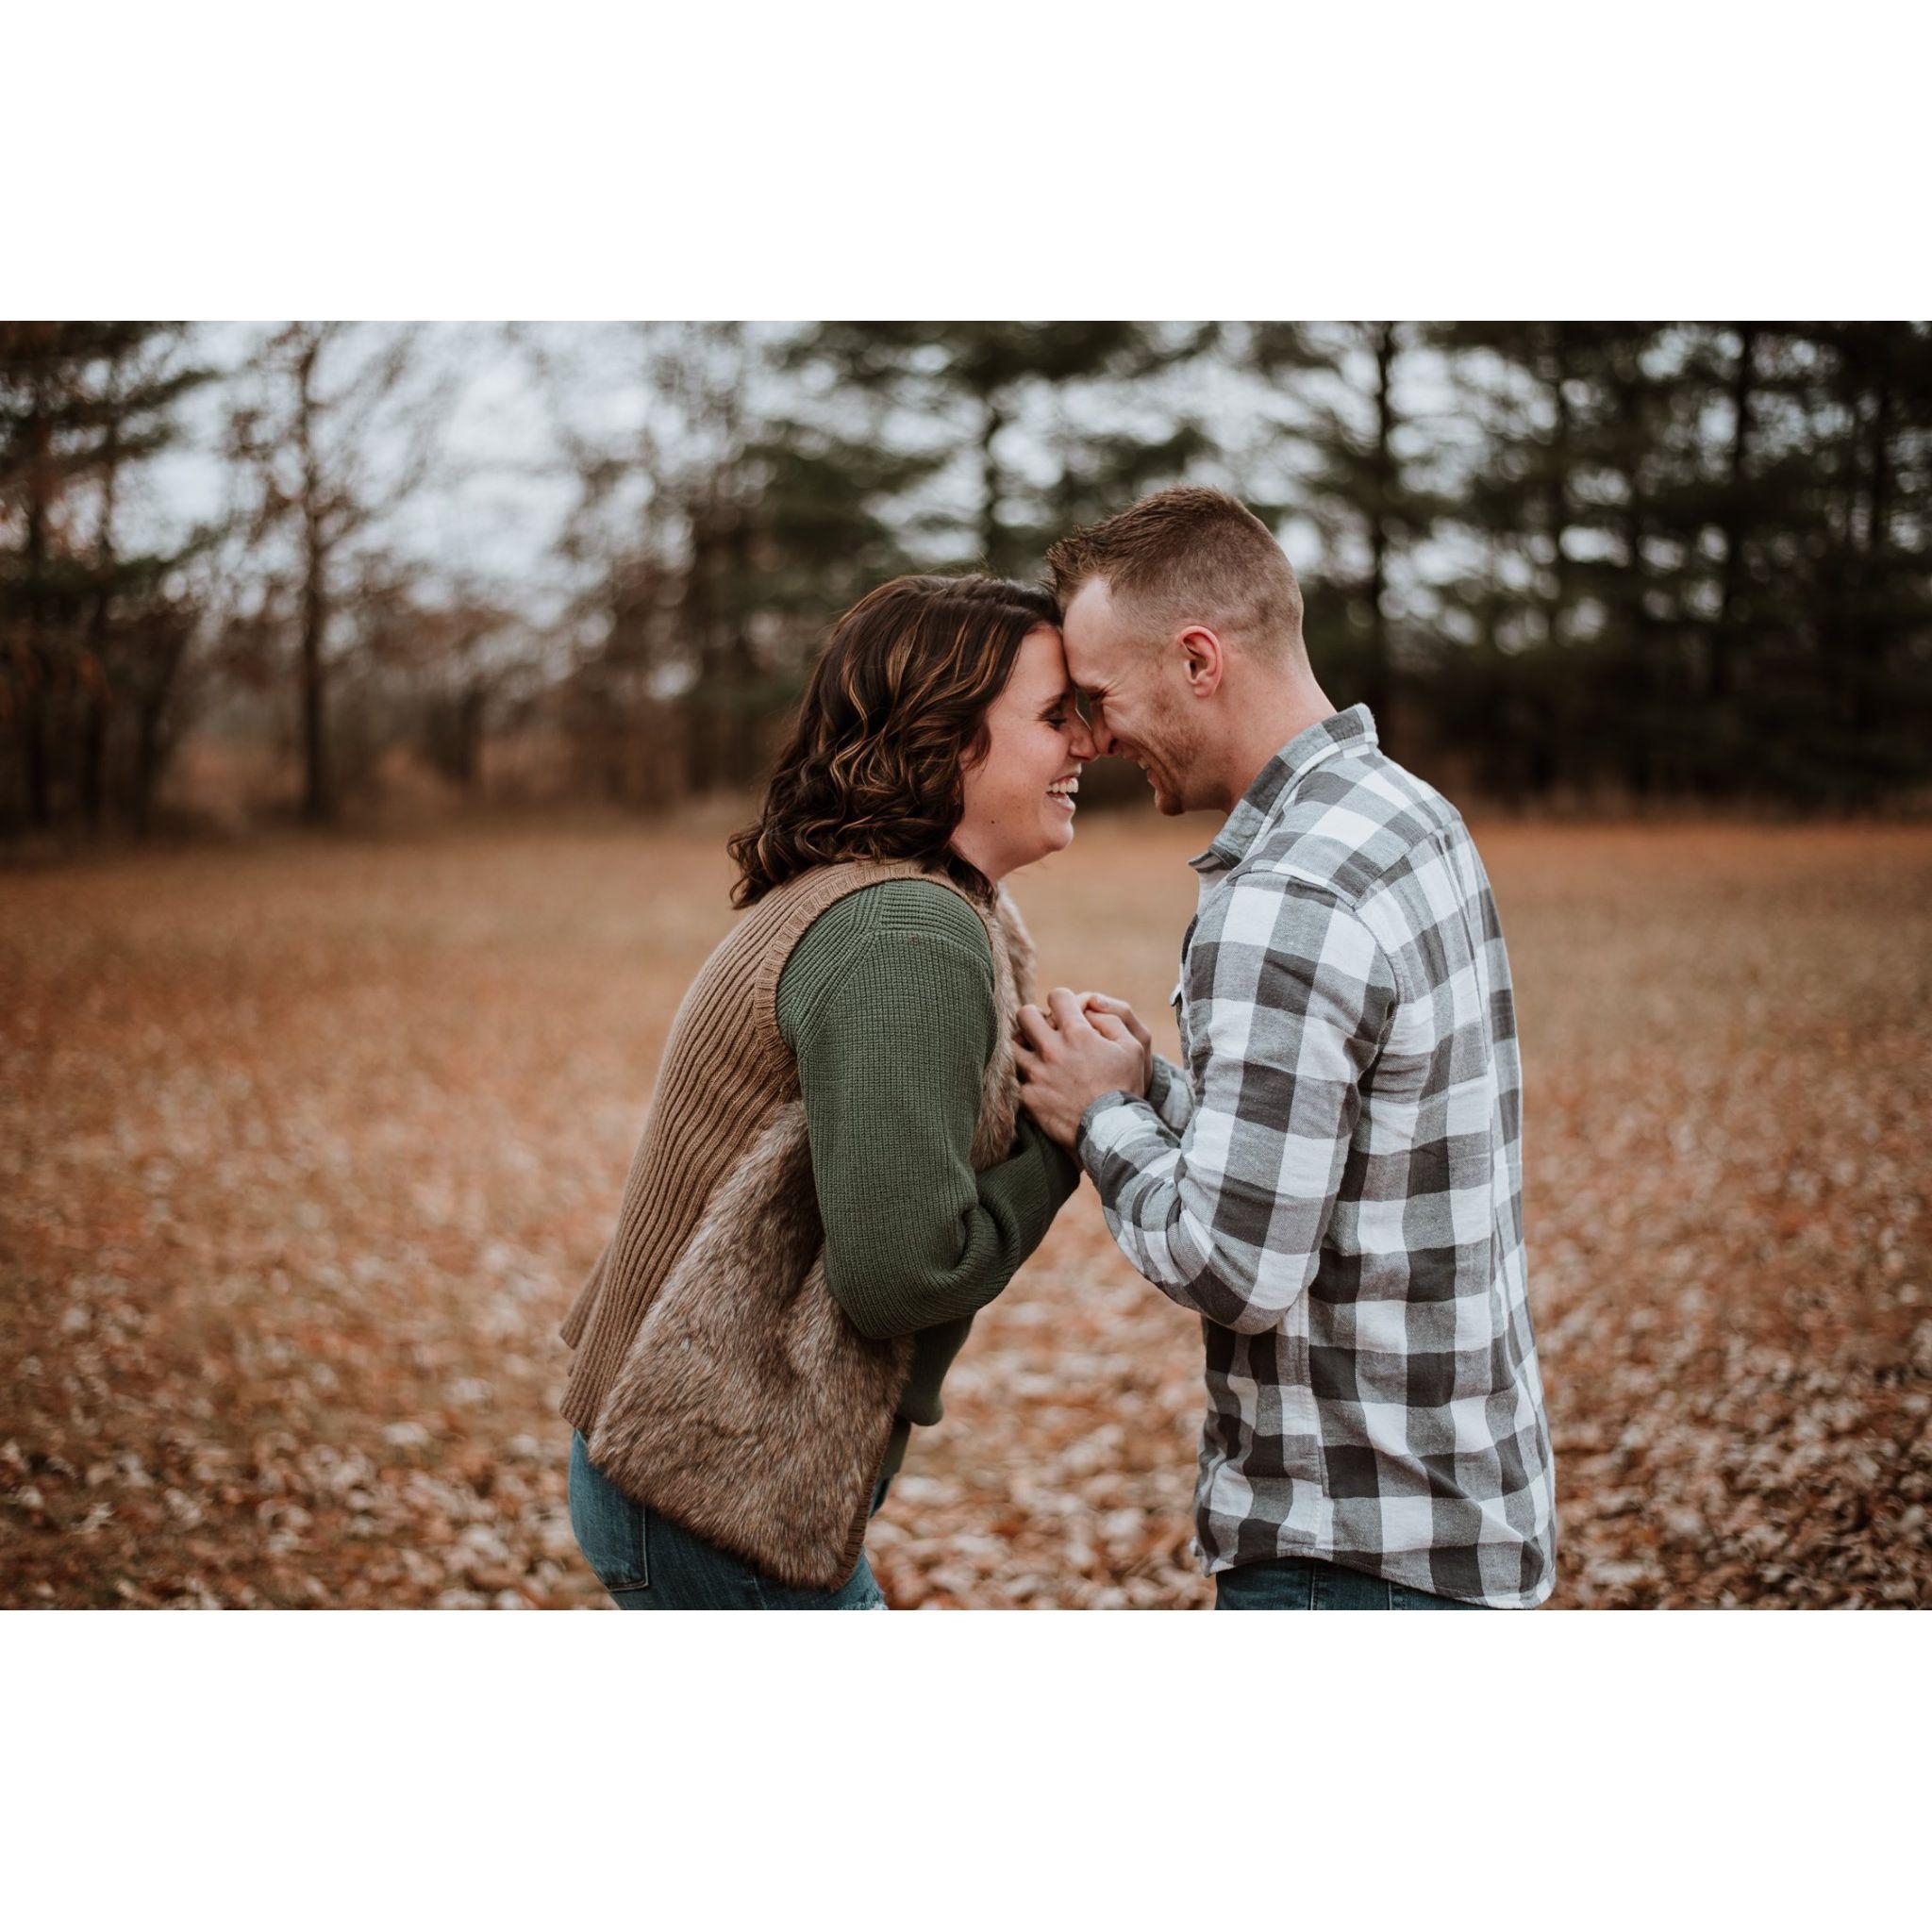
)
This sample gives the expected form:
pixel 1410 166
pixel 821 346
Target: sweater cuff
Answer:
pixel 1059 1168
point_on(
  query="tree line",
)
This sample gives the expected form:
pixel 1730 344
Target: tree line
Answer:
pixel 1603 562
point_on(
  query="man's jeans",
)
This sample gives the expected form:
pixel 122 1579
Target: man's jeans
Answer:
pixel 648 1563
pixel 1304 1583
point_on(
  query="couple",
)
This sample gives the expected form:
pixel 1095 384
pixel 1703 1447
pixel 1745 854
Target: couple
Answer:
pixel 862 1127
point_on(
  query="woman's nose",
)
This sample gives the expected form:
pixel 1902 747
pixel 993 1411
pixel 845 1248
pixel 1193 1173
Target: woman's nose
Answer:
pixel 1086 740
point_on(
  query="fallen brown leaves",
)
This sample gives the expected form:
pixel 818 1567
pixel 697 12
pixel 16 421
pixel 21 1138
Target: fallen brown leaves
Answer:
pixel 305 1149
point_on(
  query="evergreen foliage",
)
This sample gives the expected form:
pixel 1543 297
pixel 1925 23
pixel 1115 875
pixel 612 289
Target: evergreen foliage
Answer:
pixel 1566 563
pixel 92 633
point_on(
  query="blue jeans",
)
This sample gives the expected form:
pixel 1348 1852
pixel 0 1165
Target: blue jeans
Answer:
pixel 1305 1583
pixel 648 1563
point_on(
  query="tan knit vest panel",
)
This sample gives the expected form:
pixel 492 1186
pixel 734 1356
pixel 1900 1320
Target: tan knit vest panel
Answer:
pixel 726 1071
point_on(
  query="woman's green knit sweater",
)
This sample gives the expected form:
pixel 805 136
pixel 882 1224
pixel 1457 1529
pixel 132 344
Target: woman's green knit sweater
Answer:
pixel 888 1005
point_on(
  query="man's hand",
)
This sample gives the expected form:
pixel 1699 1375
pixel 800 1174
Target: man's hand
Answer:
pixel 1068 1062
pixel 1091 1003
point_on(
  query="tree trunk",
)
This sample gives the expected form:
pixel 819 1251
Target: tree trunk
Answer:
pixel 1640 761
pixel 318 803
pixel 93 758
pixel 37 658
pixel 35 766
pixel 703 770
pixel 1721 671
pixel 472 707
pixel 746 762
pixel 147 763
pixel 1554 756
pixel 165 652
pixel 1556 488
pixel 992 533
pixel 1869 616
pixel 1378 685
pixel 100 697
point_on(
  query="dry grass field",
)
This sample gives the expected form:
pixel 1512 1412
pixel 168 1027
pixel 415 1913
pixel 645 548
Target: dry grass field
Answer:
pixel 304 1148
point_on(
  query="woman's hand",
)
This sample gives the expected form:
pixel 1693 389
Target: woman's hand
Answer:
pixel 1091 1003
pixel 1068 1060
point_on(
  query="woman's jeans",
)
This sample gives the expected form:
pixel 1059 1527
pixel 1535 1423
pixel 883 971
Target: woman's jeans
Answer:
pixel 1305 1583
pixel 648 1563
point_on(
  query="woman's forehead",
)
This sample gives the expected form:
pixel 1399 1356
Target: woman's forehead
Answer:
pixel 1040 668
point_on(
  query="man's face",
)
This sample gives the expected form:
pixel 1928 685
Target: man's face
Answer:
pixel 1136 692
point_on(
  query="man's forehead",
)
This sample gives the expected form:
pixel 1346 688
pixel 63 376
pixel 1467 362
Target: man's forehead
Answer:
pixel 1087 673
pixel 1092 604
pixel 1095 642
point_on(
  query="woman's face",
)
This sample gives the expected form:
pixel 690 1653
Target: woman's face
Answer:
pixel 1018 798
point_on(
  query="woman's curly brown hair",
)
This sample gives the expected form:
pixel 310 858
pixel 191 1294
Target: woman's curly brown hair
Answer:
pixel 894 714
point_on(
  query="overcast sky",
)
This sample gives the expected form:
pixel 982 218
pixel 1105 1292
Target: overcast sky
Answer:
pixel 495 513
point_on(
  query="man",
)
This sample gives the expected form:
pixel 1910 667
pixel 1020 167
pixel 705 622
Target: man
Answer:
pixel 1334 1183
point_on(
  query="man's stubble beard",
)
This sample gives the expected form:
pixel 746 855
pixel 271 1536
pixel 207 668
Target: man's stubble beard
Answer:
pixel 1172 745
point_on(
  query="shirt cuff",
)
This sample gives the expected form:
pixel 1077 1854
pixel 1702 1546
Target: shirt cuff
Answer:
pixel 1105 1120
pixel 1161 1083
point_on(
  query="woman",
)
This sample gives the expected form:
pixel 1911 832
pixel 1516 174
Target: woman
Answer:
pixel 833 1177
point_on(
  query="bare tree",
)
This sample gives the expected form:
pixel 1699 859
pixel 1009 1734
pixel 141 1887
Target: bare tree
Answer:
pixel 333 442
pixel 669 518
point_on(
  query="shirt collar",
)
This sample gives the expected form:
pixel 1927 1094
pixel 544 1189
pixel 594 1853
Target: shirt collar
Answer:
pixel 1350 731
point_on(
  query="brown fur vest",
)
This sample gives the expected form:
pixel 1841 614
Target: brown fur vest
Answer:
pixel 747 1407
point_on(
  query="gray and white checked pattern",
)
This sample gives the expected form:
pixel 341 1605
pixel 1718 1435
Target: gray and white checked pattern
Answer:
pixel 1335 1186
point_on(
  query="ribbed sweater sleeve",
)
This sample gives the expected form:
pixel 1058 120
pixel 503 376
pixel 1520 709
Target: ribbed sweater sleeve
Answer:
pixel 888 1004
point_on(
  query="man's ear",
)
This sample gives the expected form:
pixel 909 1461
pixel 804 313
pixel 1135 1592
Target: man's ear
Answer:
pixel 1203 660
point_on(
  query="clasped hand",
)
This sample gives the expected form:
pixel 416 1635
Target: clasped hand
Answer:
pixel 1085 1044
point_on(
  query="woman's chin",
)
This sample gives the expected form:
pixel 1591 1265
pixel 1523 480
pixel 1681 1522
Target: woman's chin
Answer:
pixel 1052 838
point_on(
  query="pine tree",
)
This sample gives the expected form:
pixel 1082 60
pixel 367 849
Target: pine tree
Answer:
pixel 1876 597
pixel 996 402
pixel 1516 505
pixel 726 531
pixel 1353 464
pixel 1744 456
pixel 91 632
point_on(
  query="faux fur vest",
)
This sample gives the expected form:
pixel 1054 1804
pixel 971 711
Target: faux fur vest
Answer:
pixel 717 1379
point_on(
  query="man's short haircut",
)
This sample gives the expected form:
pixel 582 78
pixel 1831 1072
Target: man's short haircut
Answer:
pixel 1189 555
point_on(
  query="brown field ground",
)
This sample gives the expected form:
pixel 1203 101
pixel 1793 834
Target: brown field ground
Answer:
pixel 304 1148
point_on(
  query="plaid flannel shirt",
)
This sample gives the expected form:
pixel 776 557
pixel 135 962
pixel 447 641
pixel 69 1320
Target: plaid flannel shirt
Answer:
pixel 1334 1187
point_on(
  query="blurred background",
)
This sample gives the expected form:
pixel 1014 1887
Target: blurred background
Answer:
pixel 374 700
pixel 333 568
